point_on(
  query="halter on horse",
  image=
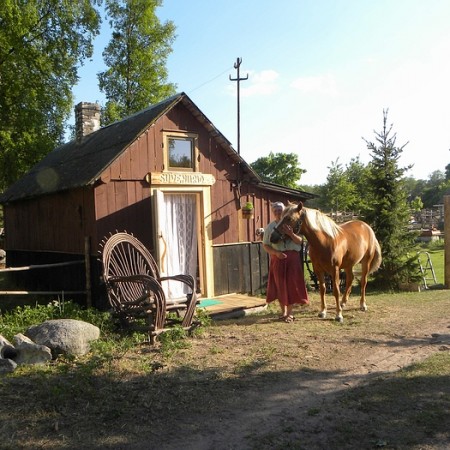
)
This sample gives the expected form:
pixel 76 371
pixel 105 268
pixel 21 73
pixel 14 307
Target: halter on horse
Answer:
pixel 333 247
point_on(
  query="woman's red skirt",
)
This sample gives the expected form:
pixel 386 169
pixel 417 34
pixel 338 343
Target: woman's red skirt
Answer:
pixel 286 281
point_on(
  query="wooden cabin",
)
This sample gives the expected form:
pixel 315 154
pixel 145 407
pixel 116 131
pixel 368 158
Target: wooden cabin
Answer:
pixel 165 174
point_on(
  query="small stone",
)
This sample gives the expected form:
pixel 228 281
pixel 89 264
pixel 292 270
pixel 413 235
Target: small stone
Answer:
pixel 7 366
pixel 30 353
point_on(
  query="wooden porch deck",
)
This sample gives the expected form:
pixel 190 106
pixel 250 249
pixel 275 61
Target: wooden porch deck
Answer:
pixel 232 306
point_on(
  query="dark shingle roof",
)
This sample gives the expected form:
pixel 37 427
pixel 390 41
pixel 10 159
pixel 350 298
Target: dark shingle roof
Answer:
pixel 279 189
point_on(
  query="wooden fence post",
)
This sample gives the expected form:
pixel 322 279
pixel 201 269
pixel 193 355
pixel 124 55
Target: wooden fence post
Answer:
pixel 87 260
pixel 447 241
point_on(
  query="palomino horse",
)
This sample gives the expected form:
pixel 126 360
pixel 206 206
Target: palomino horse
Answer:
pixel 333 247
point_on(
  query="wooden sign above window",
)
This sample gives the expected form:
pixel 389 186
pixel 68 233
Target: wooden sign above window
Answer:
pixel 184 178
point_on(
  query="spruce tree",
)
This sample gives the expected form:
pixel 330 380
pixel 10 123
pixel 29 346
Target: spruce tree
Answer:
pixel 389 212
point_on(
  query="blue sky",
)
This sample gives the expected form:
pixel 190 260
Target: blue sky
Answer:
pixel 320 73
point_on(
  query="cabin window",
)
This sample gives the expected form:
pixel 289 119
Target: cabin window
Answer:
pixel 181 152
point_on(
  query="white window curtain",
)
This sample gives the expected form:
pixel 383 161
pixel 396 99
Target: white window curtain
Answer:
pixel 179 228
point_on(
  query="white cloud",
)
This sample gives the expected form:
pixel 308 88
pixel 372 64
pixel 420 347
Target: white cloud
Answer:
pixel 322 84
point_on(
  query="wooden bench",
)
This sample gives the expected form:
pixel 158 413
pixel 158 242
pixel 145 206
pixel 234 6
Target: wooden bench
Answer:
pixel 135 290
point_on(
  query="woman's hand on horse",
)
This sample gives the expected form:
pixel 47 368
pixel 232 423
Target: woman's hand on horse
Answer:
pixel 289 232
pixel 287 229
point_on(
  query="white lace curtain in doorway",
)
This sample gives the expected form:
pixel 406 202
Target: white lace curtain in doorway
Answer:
pixel 179 228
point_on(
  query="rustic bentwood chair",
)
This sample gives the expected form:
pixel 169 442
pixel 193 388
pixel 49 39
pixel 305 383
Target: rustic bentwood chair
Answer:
pixel 135 292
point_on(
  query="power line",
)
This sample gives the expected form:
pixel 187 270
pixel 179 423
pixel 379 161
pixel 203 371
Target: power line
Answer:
pixel 212 79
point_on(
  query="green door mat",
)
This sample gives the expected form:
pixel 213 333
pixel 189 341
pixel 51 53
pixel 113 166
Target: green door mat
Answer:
pixel 208 302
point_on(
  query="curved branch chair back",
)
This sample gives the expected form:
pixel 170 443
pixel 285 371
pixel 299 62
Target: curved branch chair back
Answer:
pixel 134 288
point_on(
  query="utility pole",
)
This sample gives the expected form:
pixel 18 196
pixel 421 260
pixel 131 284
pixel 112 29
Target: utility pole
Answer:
pixel 238 79
pixel 237 65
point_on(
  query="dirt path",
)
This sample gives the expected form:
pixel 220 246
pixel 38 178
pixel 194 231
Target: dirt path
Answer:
pixel 289 407
pixel 294 400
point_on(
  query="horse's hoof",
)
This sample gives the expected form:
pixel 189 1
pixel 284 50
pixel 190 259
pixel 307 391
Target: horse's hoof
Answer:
pixel 323 315
pixel 363 308
pixel 339 319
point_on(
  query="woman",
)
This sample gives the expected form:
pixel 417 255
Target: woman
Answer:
pixel 286 280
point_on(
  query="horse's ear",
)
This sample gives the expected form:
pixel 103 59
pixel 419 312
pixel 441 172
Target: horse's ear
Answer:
pixel 299 206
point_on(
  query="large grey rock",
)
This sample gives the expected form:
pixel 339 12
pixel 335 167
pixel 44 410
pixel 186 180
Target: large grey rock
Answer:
pixel 64 336
pixel 28 352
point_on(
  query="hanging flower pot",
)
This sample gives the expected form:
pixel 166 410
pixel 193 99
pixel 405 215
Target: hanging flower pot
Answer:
pixel 248 211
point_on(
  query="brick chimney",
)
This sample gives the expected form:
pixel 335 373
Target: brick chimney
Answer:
pixel 87 119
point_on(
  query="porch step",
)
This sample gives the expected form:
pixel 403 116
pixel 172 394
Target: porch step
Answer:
pixel 233 306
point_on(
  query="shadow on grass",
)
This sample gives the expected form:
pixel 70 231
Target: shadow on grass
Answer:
pixel 251 407
pixel 404 341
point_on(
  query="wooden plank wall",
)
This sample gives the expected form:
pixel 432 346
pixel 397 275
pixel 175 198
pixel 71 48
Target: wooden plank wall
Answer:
pixel 240 268
pixel 51 223
pixel 123 199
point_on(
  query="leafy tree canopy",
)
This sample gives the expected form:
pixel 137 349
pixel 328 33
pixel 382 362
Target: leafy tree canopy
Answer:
pixel 339 191
pixel 357 174
pixel 42 44
pixel 416 204
pixel 279 168
pixel 435 188
pixel 136 58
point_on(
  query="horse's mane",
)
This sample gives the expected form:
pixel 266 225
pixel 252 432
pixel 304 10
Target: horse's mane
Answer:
pixel 318 221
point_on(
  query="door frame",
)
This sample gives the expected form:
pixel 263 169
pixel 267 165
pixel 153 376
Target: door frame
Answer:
pixel 205 253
